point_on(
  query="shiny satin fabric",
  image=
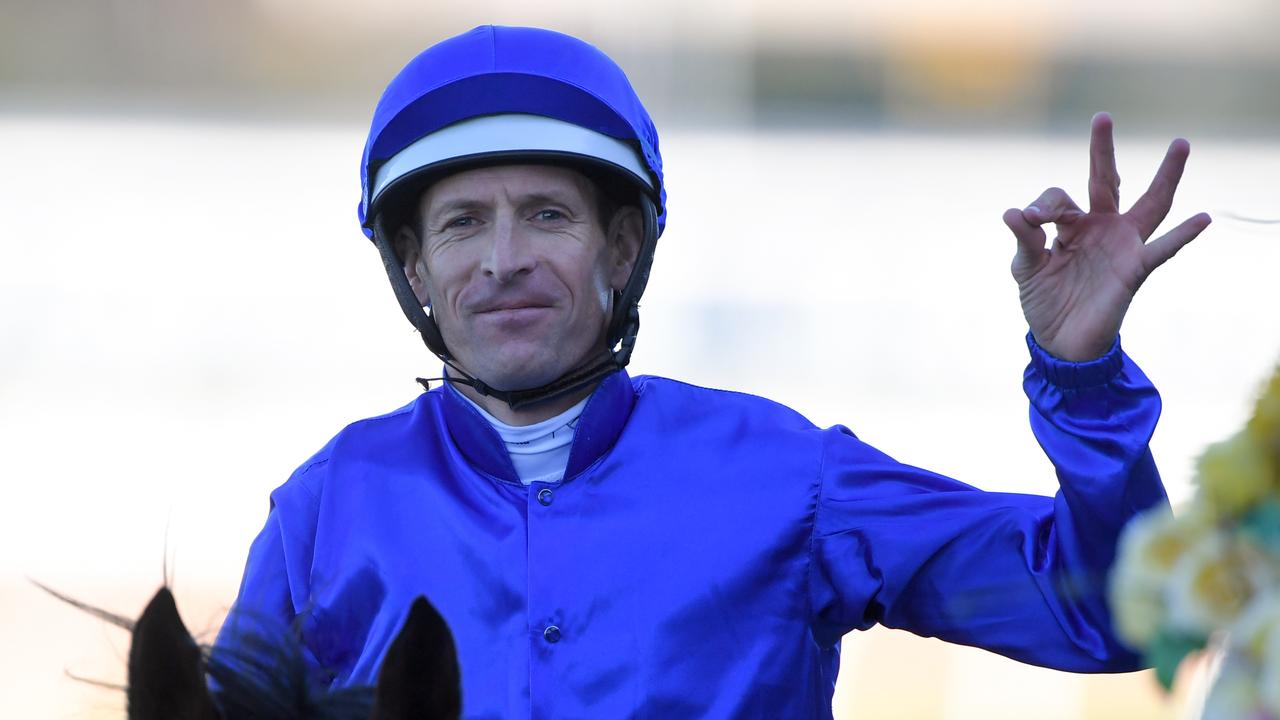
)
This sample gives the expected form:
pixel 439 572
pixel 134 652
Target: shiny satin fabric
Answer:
pixel 705 553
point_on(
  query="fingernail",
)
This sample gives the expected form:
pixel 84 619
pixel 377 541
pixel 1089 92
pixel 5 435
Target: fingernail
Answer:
pixel 1031 209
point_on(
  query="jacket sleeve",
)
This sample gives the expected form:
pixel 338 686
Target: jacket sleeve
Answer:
pixel 1021 575
pixel 274 591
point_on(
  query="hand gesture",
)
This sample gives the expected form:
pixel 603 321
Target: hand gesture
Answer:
pixel 1075 293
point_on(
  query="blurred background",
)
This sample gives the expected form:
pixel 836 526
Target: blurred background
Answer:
pixel 188 309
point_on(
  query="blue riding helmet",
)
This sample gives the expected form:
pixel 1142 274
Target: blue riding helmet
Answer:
pixel 503 95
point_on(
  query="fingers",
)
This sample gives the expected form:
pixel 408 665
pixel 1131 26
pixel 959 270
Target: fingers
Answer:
pixel 1031 254
pixel 1030 237
pixel 1104 180
pixel 1053 205
pixel 1150 209
pixel 1156 252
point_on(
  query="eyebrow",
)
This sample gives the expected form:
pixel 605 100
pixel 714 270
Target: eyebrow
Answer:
pixel 452 206
pixel 538 198
pixel 470 205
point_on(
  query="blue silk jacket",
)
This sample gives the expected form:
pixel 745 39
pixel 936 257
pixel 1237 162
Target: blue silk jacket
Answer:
pixel 705 552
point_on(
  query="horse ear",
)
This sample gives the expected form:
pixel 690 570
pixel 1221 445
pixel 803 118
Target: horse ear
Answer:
pixel 166 671
pixel 419 679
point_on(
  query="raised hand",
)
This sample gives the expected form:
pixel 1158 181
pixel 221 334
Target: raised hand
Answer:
pixel 1076 292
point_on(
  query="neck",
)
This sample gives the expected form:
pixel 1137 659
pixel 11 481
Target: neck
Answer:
pixel 528 414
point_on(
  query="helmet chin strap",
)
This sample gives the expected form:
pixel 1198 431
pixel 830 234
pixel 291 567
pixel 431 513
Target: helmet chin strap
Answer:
pixel 624 325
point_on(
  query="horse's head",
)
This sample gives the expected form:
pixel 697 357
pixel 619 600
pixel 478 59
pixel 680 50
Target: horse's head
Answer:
pixel 169 672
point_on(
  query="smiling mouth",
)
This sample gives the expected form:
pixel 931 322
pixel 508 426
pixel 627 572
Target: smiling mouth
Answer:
pixel 515 316
pixel 513 308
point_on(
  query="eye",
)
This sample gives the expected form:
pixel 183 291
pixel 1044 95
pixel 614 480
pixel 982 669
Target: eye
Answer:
pixel 460 222
pixel 550 214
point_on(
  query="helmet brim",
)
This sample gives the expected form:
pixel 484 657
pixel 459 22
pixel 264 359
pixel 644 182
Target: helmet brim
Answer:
pixel 502 140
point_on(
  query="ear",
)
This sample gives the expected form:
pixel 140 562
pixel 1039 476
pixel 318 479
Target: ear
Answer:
pixel 419 679
pixel 409 247
pixel 625 236
pixel 166 670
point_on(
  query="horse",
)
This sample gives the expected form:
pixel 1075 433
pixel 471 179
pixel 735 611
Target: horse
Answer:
pixel 172 677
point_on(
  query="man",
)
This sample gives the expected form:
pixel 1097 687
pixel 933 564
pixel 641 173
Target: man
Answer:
pixel 608 546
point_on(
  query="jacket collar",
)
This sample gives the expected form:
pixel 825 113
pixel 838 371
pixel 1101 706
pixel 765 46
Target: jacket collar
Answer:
pixel 598 429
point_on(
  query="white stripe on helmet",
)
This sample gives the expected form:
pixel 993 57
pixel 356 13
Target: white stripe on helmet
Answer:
pixel 510 132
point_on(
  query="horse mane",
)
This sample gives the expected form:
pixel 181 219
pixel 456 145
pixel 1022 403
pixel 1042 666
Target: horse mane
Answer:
pixel 271 680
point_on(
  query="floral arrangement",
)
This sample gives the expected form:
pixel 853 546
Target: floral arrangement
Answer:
pixel 1210 575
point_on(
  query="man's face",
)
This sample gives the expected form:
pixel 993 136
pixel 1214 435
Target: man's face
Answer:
pixel 518 269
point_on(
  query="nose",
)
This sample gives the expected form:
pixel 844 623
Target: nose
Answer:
pixel 510 254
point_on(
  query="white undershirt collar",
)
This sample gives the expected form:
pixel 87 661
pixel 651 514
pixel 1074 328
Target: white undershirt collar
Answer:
pixel 540 452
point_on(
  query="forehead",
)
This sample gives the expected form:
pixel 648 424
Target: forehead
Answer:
pixel 511 181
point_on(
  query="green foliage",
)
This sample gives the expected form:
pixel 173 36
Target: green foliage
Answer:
pixel 1262 524
pixel 1167 650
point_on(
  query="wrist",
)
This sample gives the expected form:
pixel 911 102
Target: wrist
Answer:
pixel 1074 350
pixel 1076 373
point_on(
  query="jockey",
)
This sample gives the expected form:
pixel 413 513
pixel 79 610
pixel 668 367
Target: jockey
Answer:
pixel 513 96
pixel 604 545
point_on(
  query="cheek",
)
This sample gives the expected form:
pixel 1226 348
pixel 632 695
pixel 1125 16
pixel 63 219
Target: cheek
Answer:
pixel 446 283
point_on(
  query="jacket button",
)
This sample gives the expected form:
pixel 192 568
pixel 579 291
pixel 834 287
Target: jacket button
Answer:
pixel 551 634
pixel 544 496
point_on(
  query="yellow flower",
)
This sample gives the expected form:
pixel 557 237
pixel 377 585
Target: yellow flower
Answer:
pixel 1264 426
pixel 1137 608
pixel 1257 625
pixel 1149 547
pixel 1234 474
pixel 1209 585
